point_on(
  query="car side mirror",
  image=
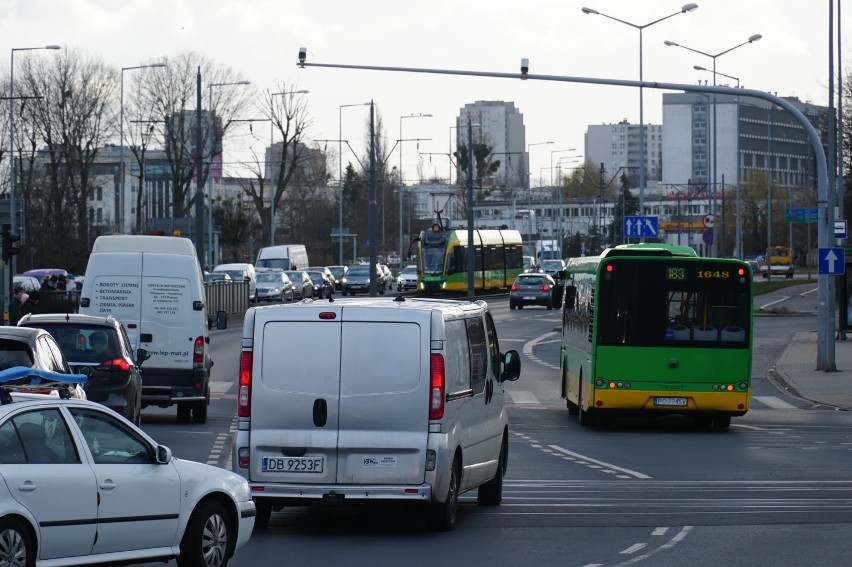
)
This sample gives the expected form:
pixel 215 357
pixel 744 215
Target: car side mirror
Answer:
pixel 164 455
pixel 141 356
pixel 511 366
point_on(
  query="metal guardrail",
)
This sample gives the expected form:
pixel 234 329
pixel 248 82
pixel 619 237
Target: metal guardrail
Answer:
pixel 230 297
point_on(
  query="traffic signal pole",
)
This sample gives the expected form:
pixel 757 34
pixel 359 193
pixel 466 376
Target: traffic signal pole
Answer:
pixel 11 248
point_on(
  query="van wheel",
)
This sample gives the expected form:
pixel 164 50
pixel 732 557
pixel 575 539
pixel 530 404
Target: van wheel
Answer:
pixel 184 412
pixel 491 493
pixel 16 547
pixel 444 513
pixel 264 513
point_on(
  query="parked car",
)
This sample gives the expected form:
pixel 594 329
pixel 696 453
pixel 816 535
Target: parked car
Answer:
pixel 338 272
pixel 302 285
pixel 99 348
pixel 407 279
pixel 322 287
pixel 29 283
pixel 532 289
pixel 217 277
pixel 274 285
pixel 357 280
pixel 33 348
pixel 327 276
pixel 83 486
pixel 552 267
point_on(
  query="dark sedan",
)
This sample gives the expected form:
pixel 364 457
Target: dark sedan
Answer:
pixel 532 289
pixel 99 348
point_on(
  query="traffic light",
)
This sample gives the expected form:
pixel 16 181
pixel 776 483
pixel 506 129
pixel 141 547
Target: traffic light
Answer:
pixel 10 243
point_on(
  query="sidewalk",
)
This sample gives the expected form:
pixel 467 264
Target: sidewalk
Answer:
pixel 796 371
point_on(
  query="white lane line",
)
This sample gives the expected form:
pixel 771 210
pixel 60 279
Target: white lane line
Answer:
pixel 771 303
pixel 633 548
pixel 681 535
pixel 774 403
pixel 659 531
pixel 605 464
pixel 523 397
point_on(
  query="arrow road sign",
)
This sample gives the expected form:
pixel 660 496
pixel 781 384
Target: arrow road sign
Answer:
pixel 640 227
pixel 832 261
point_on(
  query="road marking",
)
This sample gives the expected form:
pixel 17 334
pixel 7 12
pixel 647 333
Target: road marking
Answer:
pixel 681 535
pixel 659 531
pixel 774 402
pixel 771 303
pixel 583 458
pixel 633 548
pixel 522 397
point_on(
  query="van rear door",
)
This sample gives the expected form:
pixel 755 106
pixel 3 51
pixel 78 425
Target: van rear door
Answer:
pixel 339 396
pixel 114 287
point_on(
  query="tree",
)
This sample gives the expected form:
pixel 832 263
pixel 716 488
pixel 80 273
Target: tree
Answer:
pixel 72 120
pixel 482 166
pixel 171 93
pixel 626 205
pixel 288 162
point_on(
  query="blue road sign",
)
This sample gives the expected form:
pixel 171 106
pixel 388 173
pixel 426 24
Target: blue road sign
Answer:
pixel 641 227
pixel 832 261
pixel 840 229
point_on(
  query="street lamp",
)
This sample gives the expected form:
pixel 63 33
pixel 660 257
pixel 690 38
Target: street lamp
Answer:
pixel 683 10
pixel 738 227
pixel 399 196
pixel 121 196
pixel 751 39
pixel 340 171
pixel 528 157
pixel 271 194
pixel 12 216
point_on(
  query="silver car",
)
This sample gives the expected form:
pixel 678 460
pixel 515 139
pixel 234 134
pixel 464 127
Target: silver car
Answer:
pixel 274 285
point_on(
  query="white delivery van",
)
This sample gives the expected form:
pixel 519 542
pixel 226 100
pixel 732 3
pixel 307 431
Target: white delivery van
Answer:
pixel 368 399
pixel 283 257
pixel 153 285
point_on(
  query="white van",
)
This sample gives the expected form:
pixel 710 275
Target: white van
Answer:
pixel 241 273
pixel 153 285
pixel 367 399
pixel 284 257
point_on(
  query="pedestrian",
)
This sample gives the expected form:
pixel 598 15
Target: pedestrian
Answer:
pixel 62 283
pixel 15 304
pixel 31 304
pixel 45 284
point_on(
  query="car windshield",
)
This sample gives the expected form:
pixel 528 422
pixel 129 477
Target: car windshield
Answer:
pixel 294 276
pixel 269 278
pixel 409 270
pixel 84 343
pixel 337 271
pixel 552 265
pixel 359 271
pixel 315 276
pixel 531 280
pixel 235 274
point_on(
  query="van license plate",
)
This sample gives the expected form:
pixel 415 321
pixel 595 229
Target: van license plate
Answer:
pixel 293 464
pixel 681 402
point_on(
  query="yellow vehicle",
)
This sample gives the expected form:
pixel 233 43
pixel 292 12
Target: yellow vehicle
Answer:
pixel 778 261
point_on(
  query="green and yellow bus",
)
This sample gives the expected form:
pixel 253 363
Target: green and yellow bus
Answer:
pixel 442 259
pixel 653 329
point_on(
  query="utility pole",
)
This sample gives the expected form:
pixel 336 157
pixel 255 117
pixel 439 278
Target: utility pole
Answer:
pixel 199 186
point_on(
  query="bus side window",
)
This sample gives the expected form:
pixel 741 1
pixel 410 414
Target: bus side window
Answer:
pixel 570 297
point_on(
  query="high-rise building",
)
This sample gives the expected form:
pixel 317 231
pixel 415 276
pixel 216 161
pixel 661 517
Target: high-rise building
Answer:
pixel 501 126
pixel 616 146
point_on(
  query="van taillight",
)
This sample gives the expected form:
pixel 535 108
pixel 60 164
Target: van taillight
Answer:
pixel 244 386
pixel 198 353
pixel 436 387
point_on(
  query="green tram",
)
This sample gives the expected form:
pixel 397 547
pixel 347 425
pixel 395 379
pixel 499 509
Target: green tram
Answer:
pixel 442 259
pixel 653 329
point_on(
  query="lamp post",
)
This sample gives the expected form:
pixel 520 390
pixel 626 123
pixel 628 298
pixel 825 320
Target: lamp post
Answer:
pixel 528 158
pixel 751 39
pixel 399 196
pixel 683 10
pixel 340 171
pixel 12 216
pixel 121 196
pixel 271 191
pixel 738 227
pixel 559 193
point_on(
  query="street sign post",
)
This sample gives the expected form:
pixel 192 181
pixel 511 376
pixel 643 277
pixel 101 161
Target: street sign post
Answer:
pixel 832 261
pixel 641 226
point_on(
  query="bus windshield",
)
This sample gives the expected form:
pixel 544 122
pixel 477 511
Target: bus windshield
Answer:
pixel 673 302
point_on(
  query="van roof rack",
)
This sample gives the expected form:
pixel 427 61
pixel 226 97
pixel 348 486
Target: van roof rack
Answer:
pixel 23 378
